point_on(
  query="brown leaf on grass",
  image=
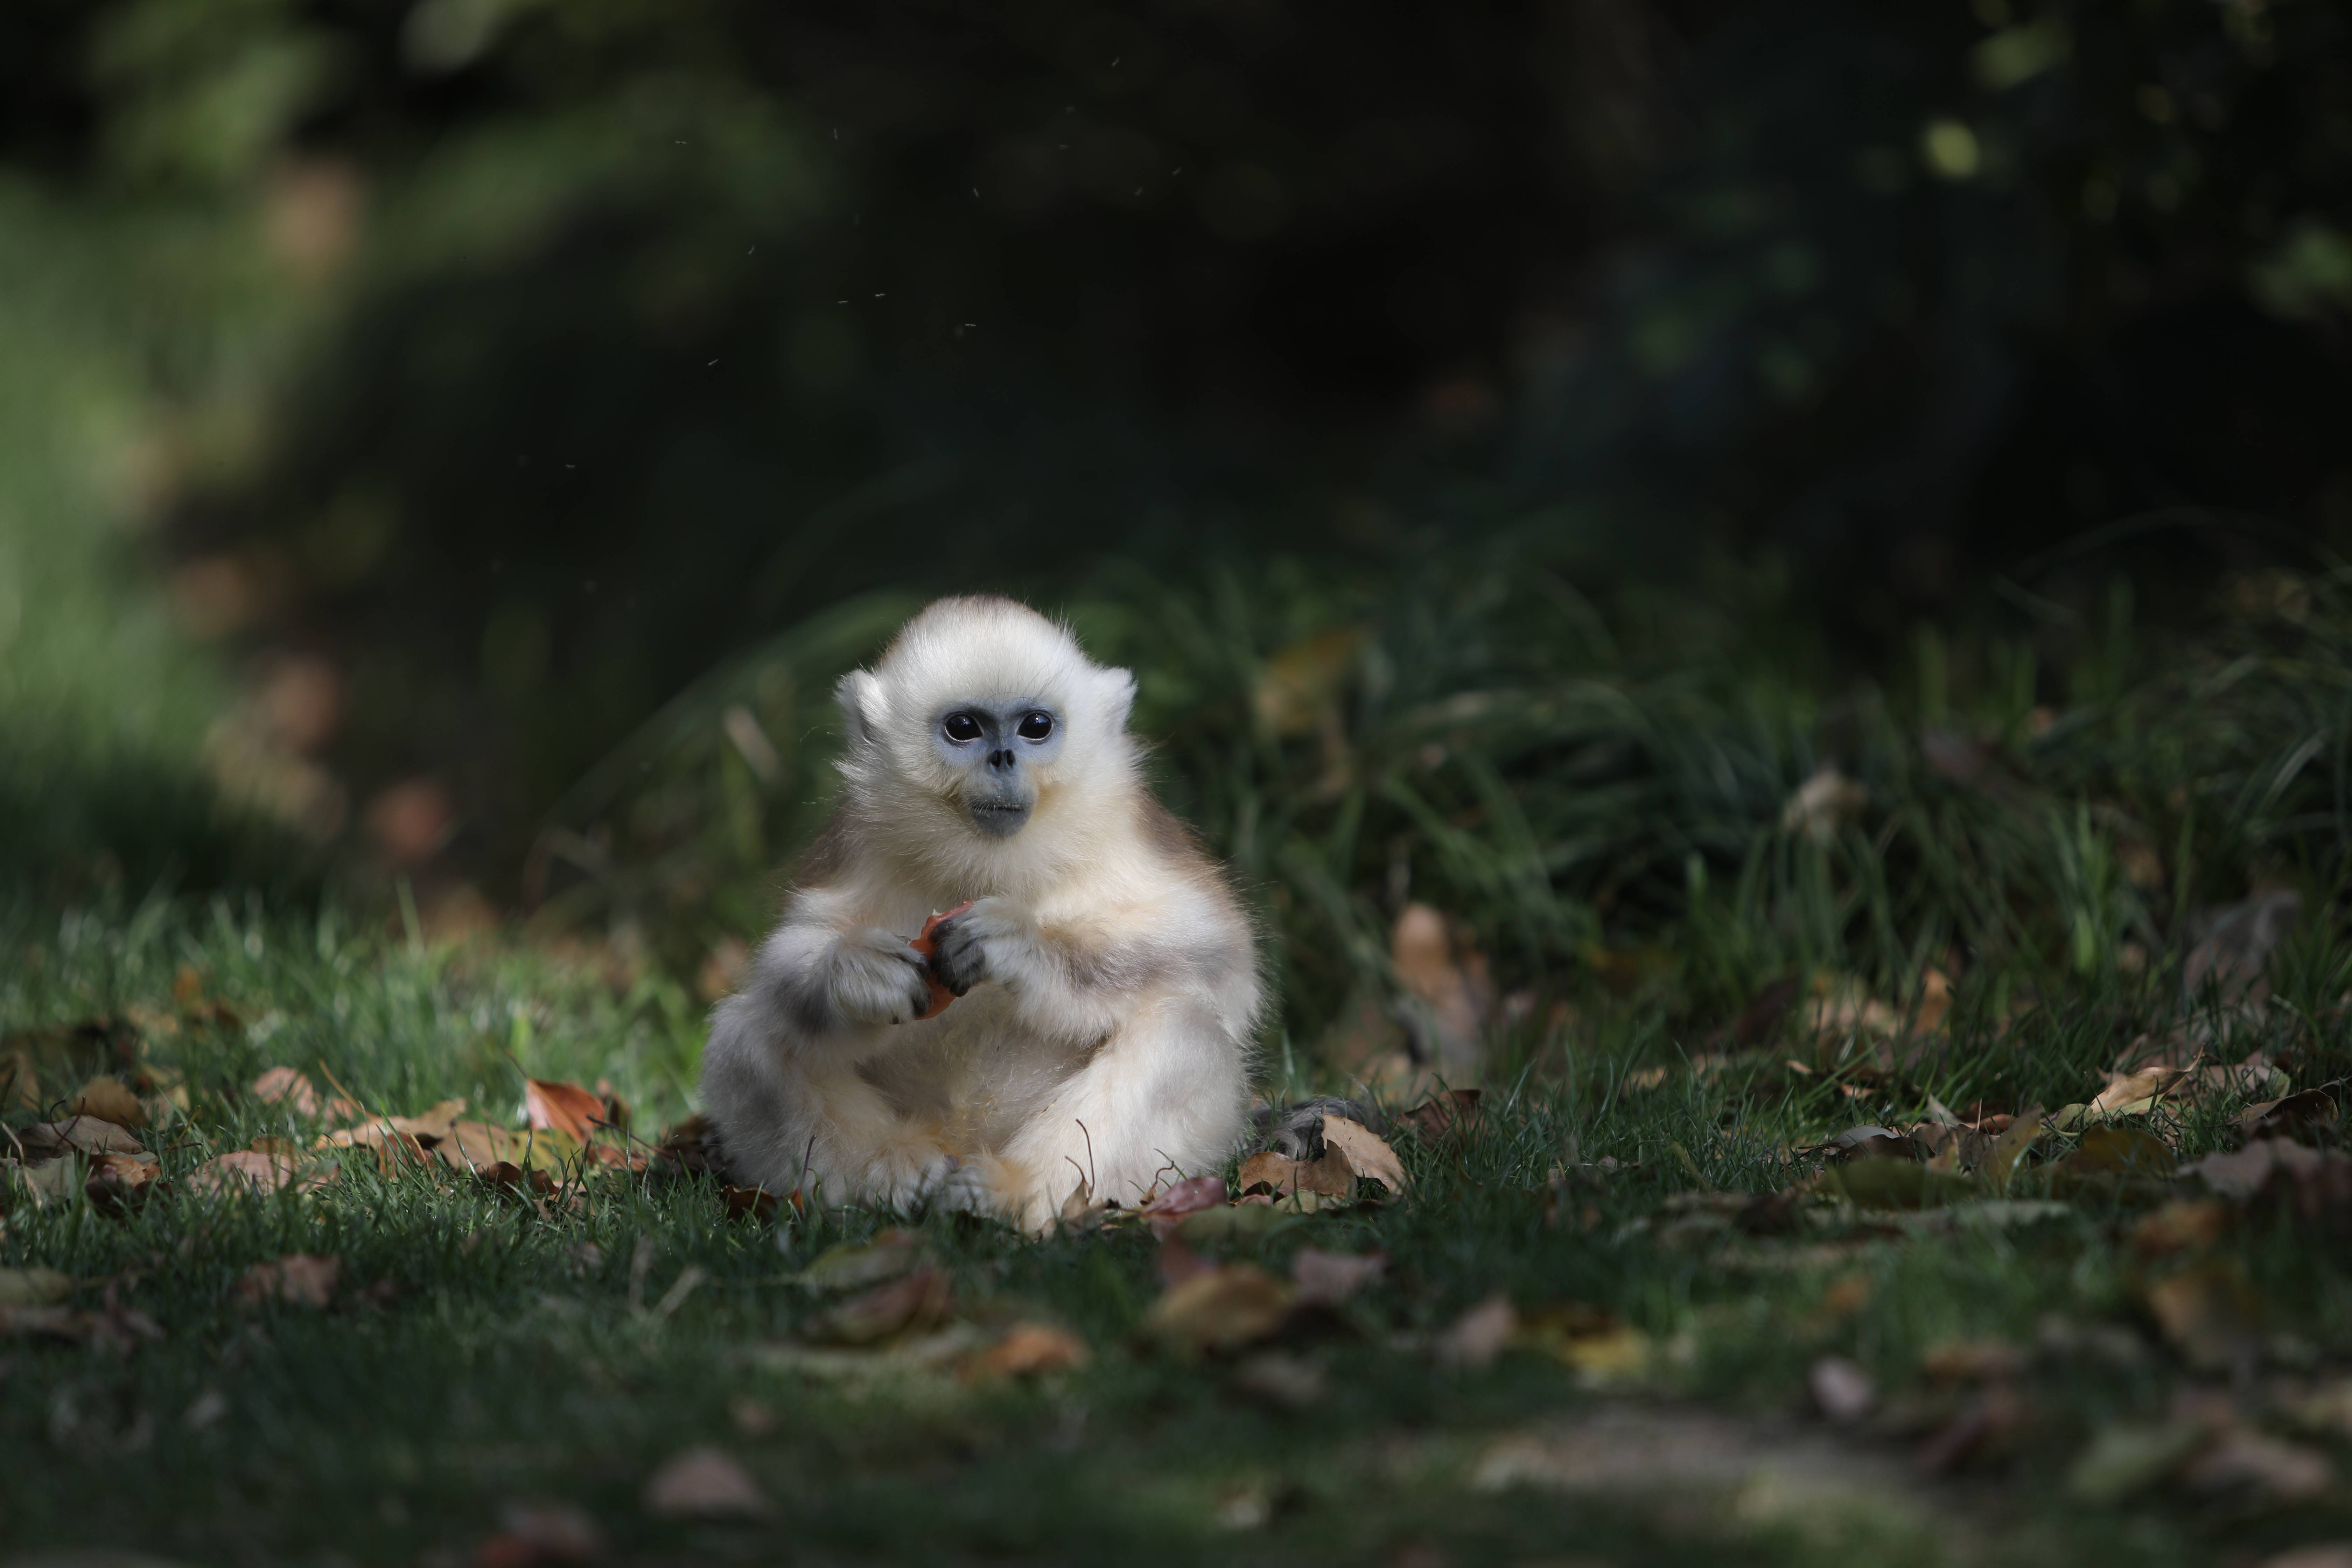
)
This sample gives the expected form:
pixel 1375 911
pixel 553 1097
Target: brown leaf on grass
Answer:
pixel 418 1132
pixel 1479 1336
pixel 257 1171
pixel 2001 1160
pixel 75 1135
pixel 923 1300
pixel 1972 1361
pixel 1331 1175
pixel 532 1534
pixel 2136 1093
pixel 2312 1112
pixel 565 1108
pixel 472 1145
pixel 1167 1210
pixel 704 1483
pixel 687 1148
pixel 298 1280
pixel 2210 1314
pixel 754 1203
pixel 1219 1309
pixel 118 1183
pixel 1444 1116
pixel 109 1099
pixel 1367 1154
pixel 2318 1182
pixel 1872 1142
pixel 509 1179
pixel 1027 1350
pixel 1328 1278
pixel 2119 1152
pixel 284 1086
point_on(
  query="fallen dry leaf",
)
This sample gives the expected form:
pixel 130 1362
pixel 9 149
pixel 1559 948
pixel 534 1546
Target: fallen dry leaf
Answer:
pixel 1332 1175
pixel 118 1183
pixel 1479 1336
pixel 2118 1151
pixel 1455 1111
pixel 923 1299
pixel 109 1099
pixel 1225 1307
pixel 256 1172
pixel 298 1280
pixel 2312 1112
pixel 1028 1350
pixel 2319 1178
pixel 566 1108
pixel 2136 1093
pixel 75 1135
pixel 1367 1154
pixel 1166 1210
pixel 1328 1278
pixel 284 1086
pixel 756 1203
pixel 704 1483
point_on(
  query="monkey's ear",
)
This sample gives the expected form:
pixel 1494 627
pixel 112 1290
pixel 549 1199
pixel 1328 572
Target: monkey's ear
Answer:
pixel 1118 699
pixel 860 696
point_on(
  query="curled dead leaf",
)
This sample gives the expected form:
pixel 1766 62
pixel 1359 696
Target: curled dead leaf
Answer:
pixel 295 1091
pixel 923 1299
pixel 1167 1209
pixel 256 1172
pixel 1367 1154
pixel 1028 1350
pixel 118 1183
pixel 109 1099
pixel 565 1108
pixel 1219 1309
pixel 75 1135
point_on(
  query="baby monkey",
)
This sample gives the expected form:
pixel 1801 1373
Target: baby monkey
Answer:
pixel 1107 975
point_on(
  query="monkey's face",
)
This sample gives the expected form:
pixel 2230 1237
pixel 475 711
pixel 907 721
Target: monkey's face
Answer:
pixel 994 749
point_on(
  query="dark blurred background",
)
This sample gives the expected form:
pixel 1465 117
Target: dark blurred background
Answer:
pixel 485 379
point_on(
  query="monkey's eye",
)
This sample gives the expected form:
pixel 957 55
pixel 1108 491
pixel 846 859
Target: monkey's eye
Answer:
pixel 1036 726
pixel 961 728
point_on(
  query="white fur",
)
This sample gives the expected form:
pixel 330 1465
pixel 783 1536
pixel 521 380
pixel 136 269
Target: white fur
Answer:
pixel 1108 1040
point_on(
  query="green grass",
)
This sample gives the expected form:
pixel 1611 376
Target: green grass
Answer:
pixel 474 1359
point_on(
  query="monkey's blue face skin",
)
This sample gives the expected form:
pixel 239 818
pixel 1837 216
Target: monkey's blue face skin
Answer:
pixel 997 748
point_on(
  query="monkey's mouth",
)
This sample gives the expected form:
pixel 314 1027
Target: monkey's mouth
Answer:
pixel 1000 818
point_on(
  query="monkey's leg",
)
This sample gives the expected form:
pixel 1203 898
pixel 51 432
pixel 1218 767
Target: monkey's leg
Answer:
pixel 1167 1095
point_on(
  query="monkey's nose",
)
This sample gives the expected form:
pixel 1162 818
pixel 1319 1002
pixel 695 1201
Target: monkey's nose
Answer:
pixel 999 759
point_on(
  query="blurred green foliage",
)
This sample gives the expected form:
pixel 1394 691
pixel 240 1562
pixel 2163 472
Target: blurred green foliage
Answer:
pixel 533 405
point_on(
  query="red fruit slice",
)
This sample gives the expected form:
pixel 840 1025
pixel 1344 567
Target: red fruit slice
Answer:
pixel 940 994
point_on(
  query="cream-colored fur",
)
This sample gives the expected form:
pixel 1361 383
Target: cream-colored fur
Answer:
pixel 1105 1041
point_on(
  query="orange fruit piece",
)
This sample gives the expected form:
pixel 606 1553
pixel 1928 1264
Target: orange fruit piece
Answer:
pixel 925 944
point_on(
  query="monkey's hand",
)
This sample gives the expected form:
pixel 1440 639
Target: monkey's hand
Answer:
pixel 991 940
pixel 878 978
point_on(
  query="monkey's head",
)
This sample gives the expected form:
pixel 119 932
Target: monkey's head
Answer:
pixel 984 727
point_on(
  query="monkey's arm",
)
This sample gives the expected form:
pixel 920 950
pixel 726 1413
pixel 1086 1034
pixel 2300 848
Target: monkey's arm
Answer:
pixel 1082 978
pixel 822 975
